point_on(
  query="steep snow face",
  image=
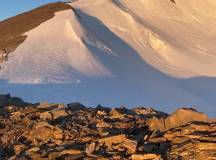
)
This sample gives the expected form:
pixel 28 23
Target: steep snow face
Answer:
pixel 176 38
pixel 54 52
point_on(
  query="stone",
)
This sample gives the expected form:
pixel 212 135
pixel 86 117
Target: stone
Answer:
pixel 74 157
pixel 101 113
pixel 74 154
pixel 90 148
pixel 180 117
pixel 33 153
pixel 102 124
pixel 47 106
pixel 114 113
pixel 43 131
pixel 19 148
pixel 145 157
pixel 130 145
pixel 183 116
pixel 58 113
pixel 45 115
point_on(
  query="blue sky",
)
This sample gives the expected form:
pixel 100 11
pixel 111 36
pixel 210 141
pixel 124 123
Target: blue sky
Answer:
pixel 9 8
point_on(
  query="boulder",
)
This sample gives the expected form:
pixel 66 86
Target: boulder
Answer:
pixel 43 131
pixel 183 116
pixel 178 118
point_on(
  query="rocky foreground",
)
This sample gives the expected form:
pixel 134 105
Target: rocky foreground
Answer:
pixel 73 132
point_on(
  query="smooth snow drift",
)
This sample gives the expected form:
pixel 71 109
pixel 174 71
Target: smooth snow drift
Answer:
pixel 53 52
pixel 152 52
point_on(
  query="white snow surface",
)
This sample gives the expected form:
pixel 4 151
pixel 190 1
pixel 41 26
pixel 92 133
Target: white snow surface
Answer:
pixel 152 52
pixel 176 38
pixel 54 52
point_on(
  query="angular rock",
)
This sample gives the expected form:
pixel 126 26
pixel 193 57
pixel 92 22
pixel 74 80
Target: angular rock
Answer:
pixel 43 131
pixel 145 157
pixel 120 140
pixel 47 106
pixel 58 113
pixel 90 148
pixel 74 154
pixel 180 117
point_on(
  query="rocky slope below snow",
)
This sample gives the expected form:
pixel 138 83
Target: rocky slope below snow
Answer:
pixel 54 131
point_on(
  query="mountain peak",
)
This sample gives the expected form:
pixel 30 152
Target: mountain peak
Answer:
pixel 12 29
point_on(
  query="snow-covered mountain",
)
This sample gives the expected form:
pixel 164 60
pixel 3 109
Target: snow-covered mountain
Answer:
pixel 156 52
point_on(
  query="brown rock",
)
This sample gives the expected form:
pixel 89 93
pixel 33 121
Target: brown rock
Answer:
pixel 45 115
pixel 183 116
pixel 130 145
pixel 33 152
pixel 74 154
pixel 90 148
pixel 47 106
pixel 101 113
pixel 102 124
pixel 19 148
pixel 180 117
pixel 58 113
pixel 43 131
pixel 114 113
pixel 145 157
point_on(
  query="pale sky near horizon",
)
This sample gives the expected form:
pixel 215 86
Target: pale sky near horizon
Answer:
pixel 10 8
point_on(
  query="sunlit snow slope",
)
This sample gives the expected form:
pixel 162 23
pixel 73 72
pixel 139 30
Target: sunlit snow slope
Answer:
pixel 53 52
pixel 176 38
pixel 155 52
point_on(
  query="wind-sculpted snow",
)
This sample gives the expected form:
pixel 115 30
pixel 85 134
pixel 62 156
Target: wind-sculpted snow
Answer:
pixel 150 52
pixel 176 38
pixel 54 52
